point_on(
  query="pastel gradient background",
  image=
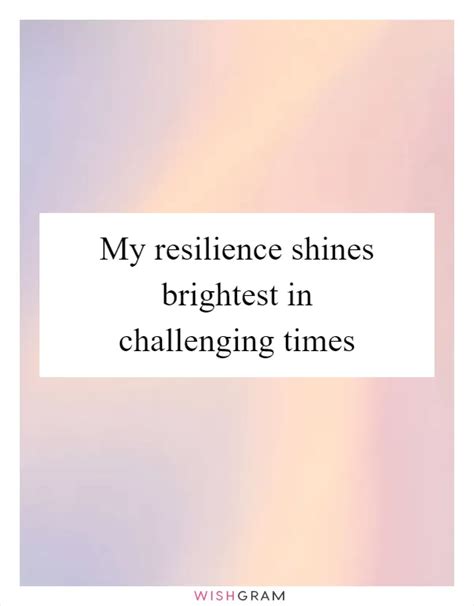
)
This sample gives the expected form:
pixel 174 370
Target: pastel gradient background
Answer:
pixel 262 481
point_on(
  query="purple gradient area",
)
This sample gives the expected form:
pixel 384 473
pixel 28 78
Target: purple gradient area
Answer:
pixel 236 482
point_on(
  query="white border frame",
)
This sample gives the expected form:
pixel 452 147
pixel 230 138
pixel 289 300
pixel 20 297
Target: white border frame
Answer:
pixel 10 593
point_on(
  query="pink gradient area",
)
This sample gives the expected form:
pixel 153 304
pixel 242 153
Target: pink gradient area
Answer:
pixel 281 481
